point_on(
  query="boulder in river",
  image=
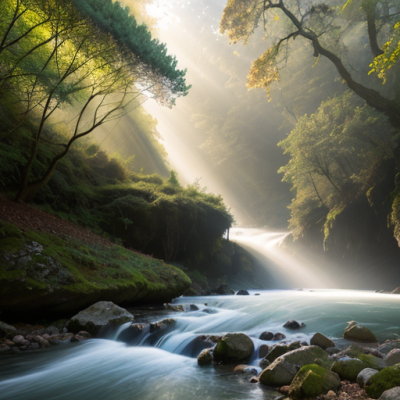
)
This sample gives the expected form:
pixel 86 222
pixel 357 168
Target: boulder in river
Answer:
pixel 359 333
pixel 278 374
pixel 313 380
pixel 322 341
pixel 292 324
pixel 282 371
pixel 99 315
pixel 364 376
pixel 266 336
pixel 279 336
pixel 205 357
pixel 233 347
pixel 242 292
pixel 384 380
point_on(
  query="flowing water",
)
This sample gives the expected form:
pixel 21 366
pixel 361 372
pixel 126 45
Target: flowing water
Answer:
pixel 162 364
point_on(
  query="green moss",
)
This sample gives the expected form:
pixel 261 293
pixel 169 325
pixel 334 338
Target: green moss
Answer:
pixel 384 380
pixel 66 275
pixel 348 369
pixel 313 380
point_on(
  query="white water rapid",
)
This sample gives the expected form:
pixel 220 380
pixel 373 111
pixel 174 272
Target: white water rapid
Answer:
pixel 162 365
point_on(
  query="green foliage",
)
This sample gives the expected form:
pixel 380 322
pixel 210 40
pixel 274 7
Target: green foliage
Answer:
pixel 77 274
pixel 111 17
pixel 335 158
pixel 384 380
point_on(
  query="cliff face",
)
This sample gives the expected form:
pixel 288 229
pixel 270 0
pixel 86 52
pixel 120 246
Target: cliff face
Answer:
pixel 43 275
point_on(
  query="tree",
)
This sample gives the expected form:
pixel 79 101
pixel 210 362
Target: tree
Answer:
pixel 319 24
pixel 74 59
pixel 390 54
pixel 336 155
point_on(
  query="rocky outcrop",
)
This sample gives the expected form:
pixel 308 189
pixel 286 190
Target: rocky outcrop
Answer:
pixel 98 316
pixel 359 333
pixel 313 380
pixel 242 292
pixel 233 347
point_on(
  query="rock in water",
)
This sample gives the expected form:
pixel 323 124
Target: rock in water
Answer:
pixel 99 315
pixel 266 336
pixel 292 324
pixel 242 292
pixel 205 357
pixel 313 380
pixel 322 341
pixel 233 347
pixel 359 333
pixel 282 371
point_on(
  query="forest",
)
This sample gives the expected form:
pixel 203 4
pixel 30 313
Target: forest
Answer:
pixel 199 199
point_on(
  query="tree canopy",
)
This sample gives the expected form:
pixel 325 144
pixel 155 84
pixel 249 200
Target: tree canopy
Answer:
pixel 321 25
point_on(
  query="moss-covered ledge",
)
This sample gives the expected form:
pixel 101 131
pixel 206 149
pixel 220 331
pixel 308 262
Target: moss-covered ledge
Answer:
pixel 45 275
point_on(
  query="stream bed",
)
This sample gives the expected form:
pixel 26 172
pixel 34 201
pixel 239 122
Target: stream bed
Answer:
pixel 163 365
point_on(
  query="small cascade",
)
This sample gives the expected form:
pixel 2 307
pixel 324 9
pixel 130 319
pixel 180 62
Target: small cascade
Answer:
pixel 286 270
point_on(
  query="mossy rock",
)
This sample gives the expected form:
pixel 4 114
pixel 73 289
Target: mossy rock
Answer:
pixel 349 368
pixel 384 380
pixel 282 371
pixel 370 360
pixel 233 347
pixel 313 380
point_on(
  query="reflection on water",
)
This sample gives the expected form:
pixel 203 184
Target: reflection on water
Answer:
pixel 112 370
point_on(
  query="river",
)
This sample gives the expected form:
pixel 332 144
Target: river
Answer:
pixel 155 366
pixel 163 365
